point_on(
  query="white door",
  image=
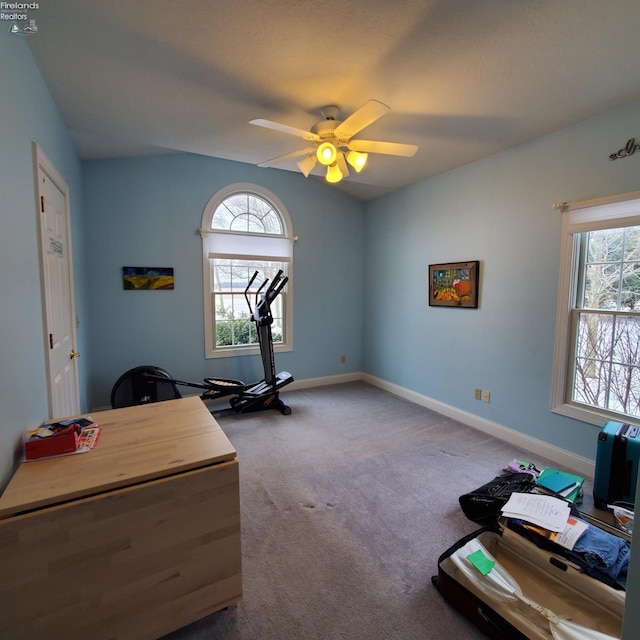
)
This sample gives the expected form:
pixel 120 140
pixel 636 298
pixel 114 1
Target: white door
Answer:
pixel 57 283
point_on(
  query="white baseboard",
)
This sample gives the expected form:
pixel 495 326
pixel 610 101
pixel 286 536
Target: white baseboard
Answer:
pixel 579 464
pixel 324 381
pixel 562 457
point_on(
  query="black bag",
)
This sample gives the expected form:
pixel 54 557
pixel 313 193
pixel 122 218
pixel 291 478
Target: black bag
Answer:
pixel 483 505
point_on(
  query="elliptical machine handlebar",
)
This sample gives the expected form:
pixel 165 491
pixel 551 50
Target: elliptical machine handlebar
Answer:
pixel 261 310
pixel 276 286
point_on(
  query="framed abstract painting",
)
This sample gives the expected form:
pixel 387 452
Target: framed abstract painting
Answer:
pixel 454 284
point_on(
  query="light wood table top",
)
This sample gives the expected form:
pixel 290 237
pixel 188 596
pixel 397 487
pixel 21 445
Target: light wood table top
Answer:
pixel 137 444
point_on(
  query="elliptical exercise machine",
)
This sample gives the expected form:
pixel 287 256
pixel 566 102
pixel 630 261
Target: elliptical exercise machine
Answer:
pixel 145 384
pixel 264 394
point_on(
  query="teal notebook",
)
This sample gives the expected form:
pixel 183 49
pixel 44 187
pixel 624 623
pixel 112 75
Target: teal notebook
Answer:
pixel 566 484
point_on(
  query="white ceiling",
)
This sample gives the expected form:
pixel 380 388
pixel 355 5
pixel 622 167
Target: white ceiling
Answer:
pixel 464 78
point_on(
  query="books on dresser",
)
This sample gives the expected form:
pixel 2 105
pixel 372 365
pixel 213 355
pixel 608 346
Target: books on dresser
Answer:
pixel 65 437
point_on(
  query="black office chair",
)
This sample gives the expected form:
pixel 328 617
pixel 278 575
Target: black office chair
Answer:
pixel 143 385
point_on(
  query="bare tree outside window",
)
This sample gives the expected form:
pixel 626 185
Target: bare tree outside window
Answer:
pixel 607 322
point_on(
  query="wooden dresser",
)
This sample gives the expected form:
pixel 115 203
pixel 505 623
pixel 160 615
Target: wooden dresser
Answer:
pixel 134 539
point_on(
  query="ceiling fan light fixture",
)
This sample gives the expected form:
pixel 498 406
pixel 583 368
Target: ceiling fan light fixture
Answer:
pixel 306 164
pixel 357 160
pixel 333 173
pixel 333 143
pixel 326 154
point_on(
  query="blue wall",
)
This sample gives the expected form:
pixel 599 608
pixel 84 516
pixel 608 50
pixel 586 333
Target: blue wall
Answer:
pixel 28 114
pixel 146 212
pixel 499 211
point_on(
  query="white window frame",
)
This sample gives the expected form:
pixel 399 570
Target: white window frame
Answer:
pixel 246 246
pixel 579 217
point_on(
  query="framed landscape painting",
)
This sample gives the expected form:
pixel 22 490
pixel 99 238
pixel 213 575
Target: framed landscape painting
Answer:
pixel 149 278
pixel 454 284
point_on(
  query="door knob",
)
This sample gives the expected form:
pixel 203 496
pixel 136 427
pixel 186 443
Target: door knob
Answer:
pixel 73 354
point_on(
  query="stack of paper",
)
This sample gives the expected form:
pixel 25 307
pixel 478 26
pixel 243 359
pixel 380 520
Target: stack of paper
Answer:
pixel 545 511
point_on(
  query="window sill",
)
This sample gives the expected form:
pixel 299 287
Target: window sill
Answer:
pixel 244 351
pixel 584 414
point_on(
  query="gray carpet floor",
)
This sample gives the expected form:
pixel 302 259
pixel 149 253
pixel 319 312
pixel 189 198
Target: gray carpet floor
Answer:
pixel 346 505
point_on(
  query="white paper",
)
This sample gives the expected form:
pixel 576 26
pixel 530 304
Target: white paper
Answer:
pixel 546 511
pixel 568 537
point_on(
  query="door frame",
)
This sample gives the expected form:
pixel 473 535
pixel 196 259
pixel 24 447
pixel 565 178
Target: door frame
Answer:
pixel 42 163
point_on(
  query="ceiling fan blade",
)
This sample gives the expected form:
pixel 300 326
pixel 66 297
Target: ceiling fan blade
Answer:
pixel 284 128
pixel 389 148
pixel 361 118
pixel 287 156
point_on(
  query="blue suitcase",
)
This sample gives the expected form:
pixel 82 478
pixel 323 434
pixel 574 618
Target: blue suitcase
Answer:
pixel 616 464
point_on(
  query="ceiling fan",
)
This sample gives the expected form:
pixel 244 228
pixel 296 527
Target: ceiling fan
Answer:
pixel 332 143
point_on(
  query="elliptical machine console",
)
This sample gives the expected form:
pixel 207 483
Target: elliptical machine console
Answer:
pixel 150 384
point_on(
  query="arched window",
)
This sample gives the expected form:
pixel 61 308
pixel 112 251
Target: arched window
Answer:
pixel 245 229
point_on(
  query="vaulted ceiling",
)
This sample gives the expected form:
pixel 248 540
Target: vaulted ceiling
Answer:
pixel 464 78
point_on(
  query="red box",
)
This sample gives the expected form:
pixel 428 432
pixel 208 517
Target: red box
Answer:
pixel 63 441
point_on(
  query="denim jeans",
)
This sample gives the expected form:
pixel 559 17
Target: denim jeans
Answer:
pixel 602 555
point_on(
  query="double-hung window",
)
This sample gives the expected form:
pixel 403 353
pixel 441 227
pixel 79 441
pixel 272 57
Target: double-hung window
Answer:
pixel 245 229
pixel 596 374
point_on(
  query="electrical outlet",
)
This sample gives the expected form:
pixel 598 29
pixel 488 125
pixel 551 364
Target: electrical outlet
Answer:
pixel 486 396
pixel 478 394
